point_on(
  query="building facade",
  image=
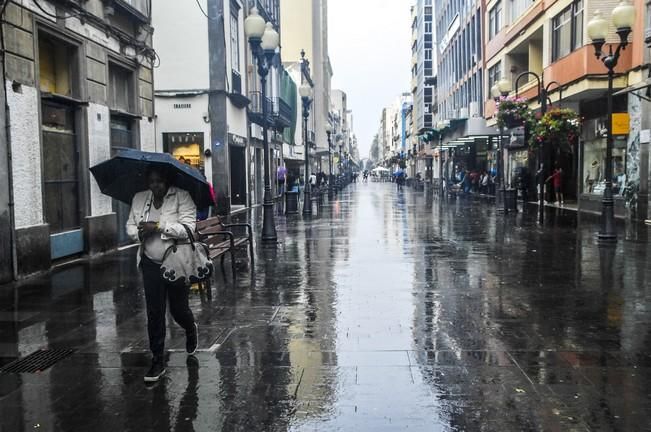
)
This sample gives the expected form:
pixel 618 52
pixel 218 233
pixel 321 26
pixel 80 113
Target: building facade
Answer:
pixel 423 66
pixel 468 142
pixel 304 25
pixel 79 88
pixel 550 39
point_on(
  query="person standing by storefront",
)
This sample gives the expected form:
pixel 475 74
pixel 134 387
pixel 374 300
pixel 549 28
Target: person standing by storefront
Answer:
pixel 159 216
pixel 557 182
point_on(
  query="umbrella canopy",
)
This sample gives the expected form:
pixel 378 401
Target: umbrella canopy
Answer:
pixel 124 175
pixel 380 169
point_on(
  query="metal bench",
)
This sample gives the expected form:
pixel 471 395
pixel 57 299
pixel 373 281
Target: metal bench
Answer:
pixel 221 240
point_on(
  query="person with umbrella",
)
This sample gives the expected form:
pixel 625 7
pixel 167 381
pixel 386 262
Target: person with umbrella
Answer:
pixel 156 219
pixel 164 195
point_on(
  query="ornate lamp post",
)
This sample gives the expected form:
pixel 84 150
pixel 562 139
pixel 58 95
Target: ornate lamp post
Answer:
pixel 543 91
pixel 501 88
pixel 305 91
pixel 264 41
pixel 623 17
pixel 329 131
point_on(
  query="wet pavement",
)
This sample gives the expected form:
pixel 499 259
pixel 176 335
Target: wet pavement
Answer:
pixel 386 312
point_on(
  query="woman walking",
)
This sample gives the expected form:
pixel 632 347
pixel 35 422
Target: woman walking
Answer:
pixel 159 216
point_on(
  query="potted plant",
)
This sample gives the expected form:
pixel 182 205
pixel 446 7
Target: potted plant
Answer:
pixel 560 127
pixel 513 112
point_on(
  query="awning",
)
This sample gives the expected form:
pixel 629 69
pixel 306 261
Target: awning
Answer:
pixel 645 84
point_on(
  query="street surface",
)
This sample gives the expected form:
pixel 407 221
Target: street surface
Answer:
pixel 386 312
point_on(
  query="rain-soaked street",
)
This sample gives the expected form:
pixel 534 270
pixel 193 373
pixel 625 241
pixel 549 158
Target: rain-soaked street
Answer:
pixel 386 312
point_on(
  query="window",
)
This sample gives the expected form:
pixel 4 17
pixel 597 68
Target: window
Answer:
pixel 567 30
pixel 235 38
pixel 495 20
pixel 494 74
pixel 517 8
pixel 56 66
pixel 428 54
pixel 120 88
pixel 428 27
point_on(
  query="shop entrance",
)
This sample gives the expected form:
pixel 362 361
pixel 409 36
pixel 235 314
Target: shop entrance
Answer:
pixel 238 175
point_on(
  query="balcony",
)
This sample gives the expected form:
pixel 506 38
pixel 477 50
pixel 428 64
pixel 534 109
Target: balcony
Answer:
pixel 283 113
pixel 256 110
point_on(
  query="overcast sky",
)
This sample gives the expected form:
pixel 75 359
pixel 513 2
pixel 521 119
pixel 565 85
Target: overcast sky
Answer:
pixel 370 52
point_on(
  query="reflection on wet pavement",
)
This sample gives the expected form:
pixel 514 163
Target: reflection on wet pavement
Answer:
pixel 388 311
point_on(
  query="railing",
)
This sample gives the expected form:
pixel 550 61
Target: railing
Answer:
pixel 282 113
pixel 236 82
pixel 255 109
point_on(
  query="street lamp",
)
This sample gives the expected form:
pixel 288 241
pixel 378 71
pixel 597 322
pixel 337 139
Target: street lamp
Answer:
pixel 502 88
pixel 623 17
pixel 264 41
pixel 306 93
pixel 543 92
pixel 330 131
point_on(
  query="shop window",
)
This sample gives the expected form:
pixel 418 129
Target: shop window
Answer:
pixel 57 61
pixel 186 147
pixel 121 84
pixel 567 30
pixel 594 165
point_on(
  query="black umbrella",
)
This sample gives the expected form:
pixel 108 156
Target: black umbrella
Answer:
pixel 124 175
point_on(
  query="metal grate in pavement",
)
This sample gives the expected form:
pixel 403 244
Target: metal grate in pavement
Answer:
pixel 37 361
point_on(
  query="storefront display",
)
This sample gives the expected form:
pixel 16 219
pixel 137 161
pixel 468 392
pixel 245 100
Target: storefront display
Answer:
pixel 186 147
pixel 594 163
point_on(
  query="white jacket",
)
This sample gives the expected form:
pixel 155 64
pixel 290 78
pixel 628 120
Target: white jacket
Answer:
pixel 178 210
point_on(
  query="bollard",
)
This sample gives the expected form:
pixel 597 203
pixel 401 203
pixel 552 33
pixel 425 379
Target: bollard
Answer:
pixel 291 203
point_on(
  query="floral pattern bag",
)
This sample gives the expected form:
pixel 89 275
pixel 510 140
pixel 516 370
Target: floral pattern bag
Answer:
pixel 187 261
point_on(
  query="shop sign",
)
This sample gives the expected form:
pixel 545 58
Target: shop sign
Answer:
pixel 236 140
pixel 621 124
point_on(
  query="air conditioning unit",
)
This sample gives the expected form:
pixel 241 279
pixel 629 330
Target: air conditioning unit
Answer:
pixel 474 109
pixel 463 113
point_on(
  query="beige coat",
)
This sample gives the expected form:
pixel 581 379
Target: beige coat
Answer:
pixel 178 210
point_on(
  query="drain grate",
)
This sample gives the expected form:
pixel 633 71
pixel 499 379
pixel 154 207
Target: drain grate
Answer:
pixel 37 361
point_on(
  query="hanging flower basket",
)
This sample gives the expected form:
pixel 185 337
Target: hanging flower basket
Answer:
pixel 560 127
pixel 513 112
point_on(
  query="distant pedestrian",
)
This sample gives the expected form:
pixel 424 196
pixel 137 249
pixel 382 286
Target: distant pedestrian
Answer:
pixel 159 216
pixel 557 183
pixel 281 177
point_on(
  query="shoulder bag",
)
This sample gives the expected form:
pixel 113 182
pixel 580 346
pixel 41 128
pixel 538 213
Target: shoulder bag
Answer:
pixel 186 261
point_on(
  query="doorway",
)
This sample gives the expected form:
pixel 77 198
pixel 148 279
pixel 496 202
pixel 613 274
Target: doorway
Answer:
pixel 238 175
pixel 61 180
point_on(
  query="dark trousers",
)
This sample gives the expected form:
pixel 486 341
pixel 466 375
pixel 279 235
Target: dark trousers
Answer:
pixel 157 293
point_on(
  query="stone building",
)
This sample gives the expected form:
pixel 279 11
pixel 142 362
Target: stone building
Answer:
pixel 79 87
